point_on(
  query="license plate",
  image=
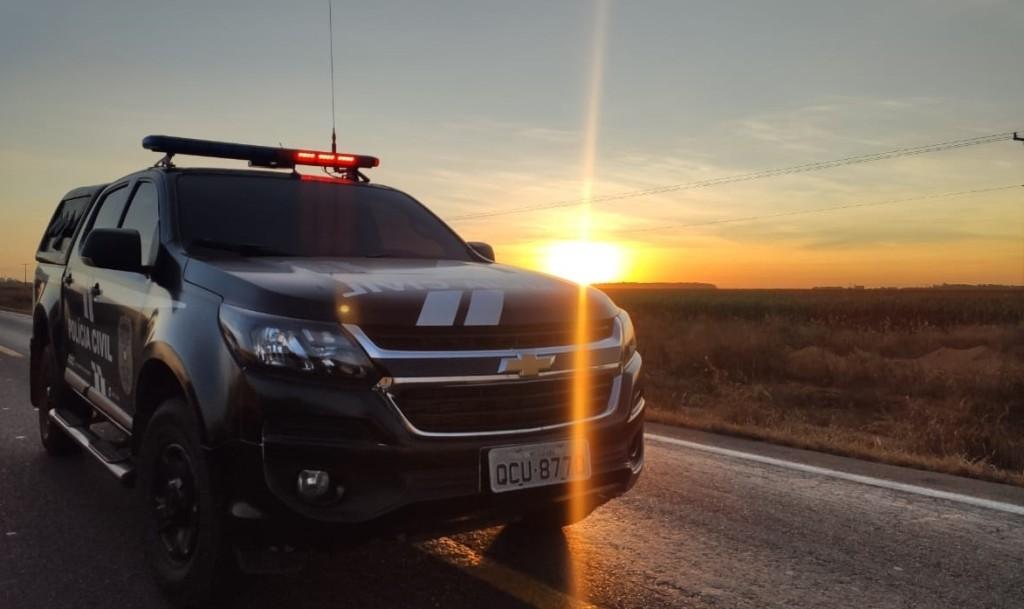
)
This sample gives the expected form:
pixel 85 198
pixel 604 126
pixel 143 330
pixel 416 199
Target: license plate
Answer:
pixel 530 465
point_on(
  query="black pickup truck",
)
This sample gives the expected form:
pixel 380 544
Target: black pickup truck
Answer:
pixel 277 360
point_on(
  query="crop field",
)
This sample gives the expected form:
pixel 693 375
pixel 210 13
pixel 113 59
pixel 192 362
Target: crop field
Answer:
pixel 16 296
pixel 931 378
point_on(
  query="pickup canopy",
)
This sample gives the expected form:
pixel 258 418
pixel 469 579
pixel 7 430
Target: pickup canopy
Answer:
pixel 60 232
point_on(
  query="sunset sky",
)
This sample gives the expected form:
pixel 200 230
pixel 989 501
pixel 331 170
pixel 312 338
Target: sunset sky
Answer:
pixel 487 106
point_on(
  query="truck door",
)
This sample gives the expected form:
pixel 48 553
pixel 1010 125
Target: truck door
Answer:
pixel 126 303
pixel 90 354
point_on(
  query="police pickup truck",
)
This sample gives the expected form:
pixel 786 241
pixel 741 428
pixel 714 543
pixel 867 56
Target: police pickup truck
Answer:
pixel 276 359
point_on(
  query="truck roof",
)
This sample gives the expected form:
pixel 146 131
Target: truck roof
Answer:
pixel 84 191
pixel 93 190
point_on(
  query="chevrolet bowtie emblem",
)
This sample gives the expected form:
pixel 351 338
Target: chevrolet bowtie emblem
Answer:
pixel 526 364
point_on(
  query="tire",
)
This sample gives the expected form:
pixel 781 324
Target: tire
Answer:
pixel 185 538
pixel 55 394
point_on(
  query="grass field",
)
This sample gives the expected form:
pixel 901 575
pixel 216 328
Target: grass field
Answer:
pixel 16 296
pixel 931 378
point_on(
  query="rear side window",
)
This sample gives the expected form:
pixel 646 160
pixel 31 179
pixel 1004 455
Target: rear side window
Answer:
pixel 143 216
pixel 61 230
pixel 111 209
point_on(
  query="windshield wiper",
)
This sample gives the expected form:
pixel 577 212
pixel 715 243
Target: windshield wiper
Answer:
pixel 244 249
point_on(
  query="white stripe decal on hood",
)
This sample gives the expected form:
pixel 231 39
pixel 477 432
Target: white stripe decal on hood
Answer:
pixel 485 308
pixel 440 308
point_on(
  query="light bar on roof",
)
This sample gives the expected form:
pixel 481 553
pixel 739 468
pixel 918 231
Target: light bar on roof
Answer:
pixel 258 156
pixel 330 159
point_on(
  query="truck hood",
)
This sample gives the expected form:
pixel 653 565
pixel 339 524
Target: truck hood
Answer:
pixel 396 292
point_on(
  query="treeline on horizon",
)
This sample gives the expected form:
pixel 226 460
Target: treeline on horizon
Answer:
pixel 691 285
pixel 877 310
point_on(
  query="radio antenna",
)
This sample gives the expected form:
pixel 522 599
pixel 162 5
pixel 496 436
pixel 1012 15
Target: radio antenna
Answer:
pixel 330 27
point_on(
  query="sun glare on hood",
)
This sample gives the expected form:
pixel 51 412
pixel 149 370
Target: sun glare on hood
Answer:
pixel 585 262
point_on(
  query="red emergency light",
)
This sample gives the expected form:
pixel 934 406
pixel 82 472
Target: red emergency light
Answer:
pixel 258 156
pixel 330 159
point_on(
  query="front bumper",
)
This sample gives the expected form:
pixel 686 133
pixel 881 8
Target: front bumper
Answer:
pixel 395 480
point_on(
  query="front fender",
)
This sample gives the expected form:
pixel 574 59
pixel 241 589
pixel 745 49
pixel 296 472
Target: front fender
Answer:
pixel 164 354
pixel 187 339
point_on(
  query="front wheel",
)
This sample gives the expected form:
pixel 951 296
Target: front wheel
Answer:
pixel 55 394
pixel 185 541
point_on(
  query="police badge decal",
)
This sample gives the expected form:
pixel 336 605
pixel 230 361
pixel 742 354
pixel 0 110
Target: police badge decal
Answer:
pixel 124 354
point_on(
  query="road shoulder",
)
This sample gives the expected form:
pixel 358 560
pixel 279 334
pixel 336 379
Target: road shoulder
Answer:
pixel 896 475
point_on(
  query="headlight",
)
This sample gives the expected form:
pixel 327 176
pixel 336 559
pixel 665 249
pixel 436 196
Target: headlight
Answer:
pixel 628 336
pixel 284 343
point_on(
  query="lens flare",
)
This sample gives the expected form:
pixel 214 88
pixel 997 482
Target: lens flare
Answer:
pixel 579 501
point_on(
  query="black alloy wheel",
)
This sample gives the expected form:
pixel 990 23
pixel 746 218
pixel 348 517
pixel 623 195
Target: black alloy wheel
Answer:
pixel 181 489
pixel 55 394
pixel 175 502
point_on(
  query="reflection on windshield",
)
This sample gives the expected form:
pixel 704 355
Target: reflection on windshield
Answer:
pixel 281 216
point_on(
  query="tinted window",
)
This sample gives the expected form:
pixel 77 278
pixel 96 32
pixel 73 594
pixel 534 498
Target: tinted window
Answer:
pixel 111 209
pixel 255 215
pixel 57 238
pixel 143 216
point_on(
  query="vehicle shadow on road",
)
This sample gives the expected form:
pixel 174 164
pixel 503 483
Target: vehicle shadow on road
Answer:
pixel 543 554
pixel 375 574
pixel 397 574
pixel 88 539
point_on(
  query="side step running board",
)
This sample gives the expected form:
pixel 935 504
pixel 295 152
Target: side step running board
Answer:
pixel 104 452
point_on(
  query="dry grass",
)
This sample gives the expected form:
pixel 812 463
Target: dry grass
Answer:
pixel 16 296
pixel 928 378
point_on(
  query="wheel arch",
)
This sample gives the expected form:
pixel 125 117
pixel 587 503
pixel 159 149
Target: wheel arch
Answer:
pixel 162 376
pixel 37 342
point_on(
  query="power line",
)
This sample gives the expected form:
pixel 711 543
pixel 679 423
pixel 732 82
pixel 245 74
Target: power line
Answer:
pixel 756 175
pixel 818 210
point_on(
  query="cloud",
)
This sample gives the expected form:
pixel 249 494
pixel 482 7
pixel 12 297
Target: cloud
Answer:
pixel 517 173
pixel 500 131
pixel 836 123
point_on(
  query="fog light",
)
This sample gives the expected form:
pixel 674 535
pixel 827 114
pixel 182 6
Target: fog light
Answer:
pixel 313 483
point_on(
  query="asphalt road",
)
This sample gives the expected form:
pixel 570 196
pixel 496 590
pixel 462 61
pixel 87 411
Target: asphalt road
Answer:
pixel 714 522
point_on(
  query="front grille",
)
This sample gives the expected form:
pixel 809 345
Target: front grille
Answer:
pixel 502 406
pixel 448 338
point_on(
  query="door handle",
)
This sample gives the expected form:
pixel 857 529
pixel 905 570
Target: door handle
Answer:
pixel 69 279
pixel 95 290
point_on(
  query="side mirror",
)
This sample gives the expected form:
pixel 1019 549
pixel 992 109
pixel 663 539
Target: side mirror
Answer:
pixel 118 249
pixel 483 249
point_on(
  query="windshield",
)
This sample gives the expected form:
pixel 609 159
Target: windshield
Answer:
pixel 274 216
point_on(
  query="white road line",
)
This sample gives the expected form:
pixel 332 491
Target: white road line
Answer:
pixel 10 352
pixel 524 588
pixel 1000 506
pixel 14 313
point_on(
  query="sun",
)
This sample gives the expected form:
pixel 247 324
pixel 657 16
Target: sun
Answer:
pixel 585 262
